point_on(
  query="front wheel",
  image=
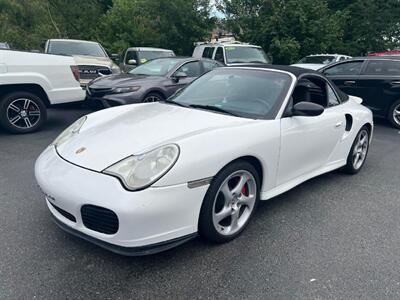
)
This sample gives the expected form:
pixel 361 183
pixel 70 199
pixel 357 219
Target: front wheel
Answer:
pixel 22 112
pixel 358 152
pixel 230 202
pixel 153 97
pixel 394 114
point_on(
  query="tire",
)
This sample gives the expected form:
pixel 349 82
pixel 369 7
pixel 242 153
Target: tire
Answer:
pixel 22 112
pixel 394 114
pixel 153 97
pixel 359 149
pixel 220 209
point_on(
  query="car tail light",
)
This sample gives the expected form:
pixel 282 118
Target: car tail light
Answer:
pixel 75 72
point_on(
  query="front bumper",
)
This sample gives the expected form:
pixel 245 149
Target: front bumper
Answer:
pixel 151 220
pixel 110 100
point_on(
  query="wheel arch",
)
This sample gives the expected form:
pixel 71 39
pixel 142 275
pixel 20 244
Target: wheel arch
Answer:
pixel 255 162
pixel 154 91
pixel 33 88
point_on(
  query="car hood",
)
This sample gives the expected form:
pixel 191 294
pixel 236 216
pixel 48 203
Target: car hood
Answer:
pixel 121 80
pixel 309 66
pixel 116 133
pixel 92 60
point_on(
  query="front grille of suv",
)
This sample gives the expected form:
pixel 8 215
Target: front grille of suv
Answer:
pixel 99 219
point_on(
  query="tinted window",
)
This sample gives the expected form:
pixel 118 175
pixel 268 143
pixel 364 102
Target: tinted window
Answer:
pixel 245 55
pixel 208 52
pixel 383 67
pixel 247 93
pixel 332 98
pixel 348 68
pixel 131 55
pixel 219 55
pixel 75 48
pixel 209 65
pixel 191 69
pixel 157 67
pixel 320 59
pixel 145 56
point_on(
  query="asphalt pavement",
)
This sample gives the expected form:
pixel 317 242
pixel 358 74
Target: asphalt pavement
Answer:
pixel 333 237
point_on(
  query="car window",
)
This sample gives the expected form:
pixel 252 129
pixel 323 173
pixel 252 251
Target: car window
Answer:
pixel 209 66
pixel 147 55
pixel 245 54
pixel 156 67
pixel 208 52
pixel 192 69
pixel 332 98
pixel 348 68
pixel 219 55
pixel 382 67
pixel 76 48
pixel 248 93
pixel 131 55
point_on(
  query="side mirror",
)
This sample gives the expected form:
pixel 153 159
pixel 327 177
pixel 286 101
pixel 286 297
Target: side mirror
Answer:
pixel 178 76
pixel 307 109
pixel 132 62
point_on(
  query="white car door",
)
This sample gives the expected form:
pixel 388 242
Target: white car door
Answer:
pixel 307 143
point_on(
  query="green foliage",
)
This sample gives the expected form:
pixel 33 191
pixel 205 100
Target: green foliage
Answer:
pixel 290 29
pixel 287 29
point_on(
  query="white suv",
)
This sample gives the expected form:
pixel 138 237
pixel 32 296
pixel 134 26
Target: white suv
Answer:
pixel 231 53
pixel 30 82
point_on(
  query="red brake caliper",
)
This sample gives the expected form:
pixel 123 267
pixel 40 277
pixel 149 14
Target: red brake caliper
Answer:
pixel 245 190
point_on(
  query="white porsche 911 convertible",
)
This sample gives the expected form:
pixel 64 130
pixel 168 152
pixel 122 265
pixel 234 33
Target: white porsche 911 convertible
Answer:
pixel 144 178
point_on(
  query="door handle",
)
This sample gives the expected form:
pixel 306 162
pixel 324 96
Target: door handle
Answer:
pixel 395 83
pixel 349 82
pixel 338 124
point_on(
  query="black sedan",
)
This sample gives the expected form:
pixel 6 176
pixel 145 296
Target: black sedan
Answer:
pixel 375 79
pixel 156 80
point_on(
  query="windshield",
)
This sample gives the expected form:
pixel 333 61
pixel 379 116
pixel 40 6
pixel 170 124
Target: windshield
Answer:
pixel 144 56
pixel 76 48
pixel 246 93
pixel 245 55
pixel 157 67
pixel 322 59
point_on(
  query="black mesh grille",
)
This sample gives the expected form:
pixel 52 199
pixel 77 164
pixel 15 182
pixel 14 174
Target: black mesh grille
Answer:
pixel 99 219
pixel 64 213
pixel 99 92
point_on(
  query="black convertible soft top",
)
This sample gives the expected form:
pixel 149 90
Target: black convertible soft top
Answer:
pixel 298 72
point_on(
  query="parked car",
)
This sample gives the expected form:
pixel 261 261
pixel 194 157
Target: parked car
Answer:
pixel 144 178
pixel 30 82
pixel 4 45
pixel 91 58
pixel 233 53
pixel 317 61
pixel 376 79
pixel 136 56
pixel 154 81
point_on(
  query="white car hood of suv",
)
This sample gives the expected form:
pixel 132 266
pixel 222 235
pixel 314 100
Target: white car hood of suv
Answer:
pixel 116 133
pixel 309 66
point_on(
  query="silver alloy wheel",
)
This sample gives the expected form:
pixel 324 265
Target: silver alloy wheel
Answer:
pixel 23 113
pixel 360 149
pixel 234 202
pixel 151 98
pixel 396 114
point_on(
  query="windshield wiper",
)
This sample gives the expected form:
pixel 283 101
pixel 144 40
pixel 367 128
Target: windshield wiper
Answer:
pixel 213 108
pixel 174 103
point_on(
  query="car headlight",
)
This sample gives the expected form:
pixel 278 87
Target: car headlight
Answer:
pixel 120 90
pixel 69 132
pixel 140 171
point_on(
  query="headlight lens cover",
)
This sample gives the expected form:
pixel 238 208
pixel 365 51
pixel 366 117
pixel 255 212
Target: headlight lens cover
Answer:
pixel 120 90
pixel 69 132
pixel 140 171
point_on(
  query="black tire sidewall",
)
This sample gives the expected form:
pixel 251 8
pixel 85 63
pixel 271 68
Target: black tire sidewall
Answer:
pixel 5 102
pixel 390 116
pixel 206 226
